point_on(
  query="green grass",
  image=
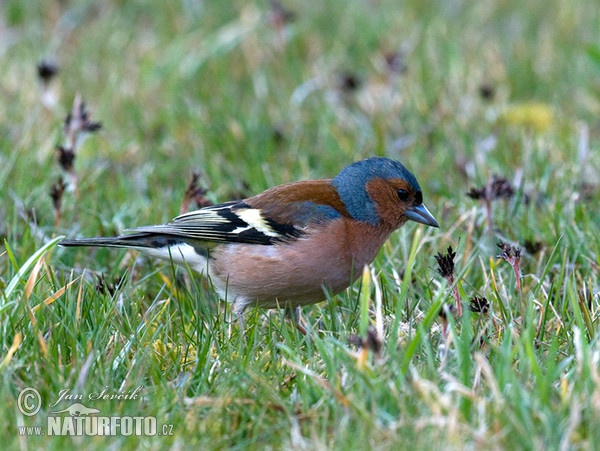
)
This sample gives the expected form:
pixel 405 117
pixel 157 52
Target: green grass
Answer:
pixel 216 86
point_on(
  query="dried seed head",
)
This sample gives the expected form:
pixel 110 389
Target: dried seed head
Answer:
pixel 501 188
pixel 371 342
pixel 348 82
pixel 533 247
pixel 477 193
pixel 278 135
pixel 446 263
pixel 355 340
pixel 46 71
pixel 487 91
pixel 479 305
pixel 66 158
pixel 496 188
pixel 78 120
pixel 512 254
pixel 194 193
pixel 446 310
pixel 508 252
pixel 56 193
pixel 103 286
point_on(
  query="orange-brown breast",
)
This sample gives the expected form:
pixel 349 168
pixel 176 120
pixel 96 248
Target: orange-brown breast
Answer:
pixel 331 257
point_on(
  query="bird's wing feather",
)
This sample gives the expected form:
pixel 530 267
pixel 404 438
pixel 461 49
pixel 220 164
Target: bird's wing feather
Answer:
pixel 239 222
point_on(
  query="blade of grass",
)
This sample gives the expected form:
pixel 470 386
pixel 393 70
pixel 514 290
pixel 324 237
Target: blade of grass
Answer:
pixel 31 261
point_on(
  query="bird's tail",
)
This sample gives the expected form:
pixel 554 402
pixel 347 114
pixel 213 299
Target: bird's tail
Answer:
pixel 136 240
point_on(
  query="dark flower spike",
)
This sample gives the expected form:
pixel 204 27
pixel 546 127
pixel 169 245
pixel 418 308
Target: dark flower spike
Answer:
pixel 77 123
pixel 477 193
pixel 500 188
pixel 512 254
pixel 446 270
pixel 66 158
pixel 78 119
pixel 349 82
pixel 479 305
pixel 487 91
pixel 195 193
pixel 103 286
pixel 46 71
pixel 446 263
pixel 355 340
pixel 56 193
pixel 533 247
pixel 508 252
pixel 372 342
pixel 496 188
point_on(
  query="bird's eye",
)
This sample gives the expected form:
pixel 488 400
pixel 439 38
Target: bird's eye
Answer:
pixel 402 194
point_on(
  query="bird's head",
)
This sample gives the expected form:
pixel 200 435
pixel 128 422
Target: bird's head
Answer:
pixel 381 191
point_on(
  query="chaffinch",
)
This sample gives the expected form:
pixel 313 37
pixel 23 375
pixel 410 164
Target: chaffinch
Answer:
pixel 285 246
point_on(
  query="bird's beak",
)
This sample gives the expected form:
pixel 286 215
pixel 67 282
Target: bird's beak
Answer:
pixel 420 214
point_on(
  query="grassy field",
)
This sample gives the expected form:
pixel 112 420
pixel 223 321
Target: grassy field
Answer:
pixel 493 105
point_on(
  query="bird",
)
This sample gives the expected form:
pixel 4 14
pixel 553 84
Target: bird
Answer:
pixel 292 244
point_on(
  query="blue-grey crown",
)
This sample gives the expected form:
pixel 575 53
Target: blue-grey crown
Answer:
pixel 351 181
